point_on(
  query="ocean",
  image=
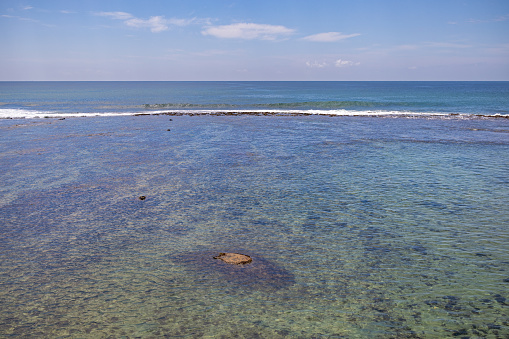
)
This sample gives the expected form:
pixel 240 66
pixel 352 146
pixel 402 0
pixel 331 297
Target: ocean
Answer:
pixel 48 99
pixel 369 209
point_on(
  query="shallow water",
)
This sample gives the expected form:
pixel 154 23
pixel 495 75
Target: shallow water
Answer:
pixel 365 227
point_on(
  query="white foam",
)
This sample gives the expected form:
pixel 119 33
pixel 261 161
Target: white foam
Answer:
pixel 17 113
pixel 340 112
pixel 33 114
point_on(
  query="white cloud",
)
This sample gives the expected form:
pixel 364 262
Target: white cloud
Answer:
pixel 337 63
pixel 345 63
pixel 116 15
pixel 156 24
pixel 248 31
pixel 316 64
pixel 329 37
pixel 184 22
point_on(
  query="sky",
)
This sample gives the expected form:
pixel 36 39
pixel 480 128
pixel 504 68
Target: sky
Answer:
pixel 262 40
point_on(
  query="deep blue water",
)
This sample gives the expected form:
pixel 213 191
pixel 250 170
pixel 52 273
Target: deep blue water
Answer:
pixel 359 227
pixel 26 98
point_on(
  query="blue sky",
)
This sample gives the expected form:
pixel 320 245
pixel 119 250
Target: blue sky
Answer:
pixel 254 40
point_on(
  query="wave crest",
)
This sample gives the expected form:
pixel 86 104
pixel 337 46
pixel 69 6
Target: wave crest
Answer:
pixel 283 111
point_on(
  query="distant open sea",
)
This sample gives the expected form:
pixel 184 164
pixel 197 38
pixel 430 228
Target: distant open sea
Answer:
pixel 369 209
pixel 48 99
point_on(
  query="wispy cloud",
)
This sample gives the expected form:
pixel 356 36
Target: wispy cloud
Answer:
pixel 407 47
pixel 428 46
pixel 19 18
pixel 336 63
pixel 497 19
pixel 215 52
pixel 499 50
pixel 248 31
pixel 345 63
pixel 316 64
pixel 431 45
pixel 329 37
pixel 156 24
pixel 446 45
pixel 116 15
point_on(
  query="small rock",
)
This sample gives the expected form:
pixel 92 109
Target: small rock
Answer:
pixel 460 332
pixel 234 258
pixel 142 197
pixel 168 129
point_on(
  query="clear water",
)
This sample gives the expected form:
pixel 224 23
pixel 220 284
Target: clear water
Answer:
pixel 360 227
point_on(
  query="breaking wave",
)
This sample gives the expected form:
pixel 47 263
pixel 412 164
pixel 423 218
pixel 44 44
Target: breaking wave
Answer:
pixel 193 110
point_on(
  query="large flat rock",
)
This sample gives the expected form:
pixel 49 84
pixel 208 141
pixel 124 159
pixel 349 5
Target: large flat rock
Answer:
pixel 234 258
pixel 251 271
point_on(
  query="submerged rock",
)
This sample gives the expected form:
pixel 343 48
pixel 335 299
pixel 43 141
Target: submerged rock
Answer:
pixel 142 197
pixel 255 273
pixel 234 258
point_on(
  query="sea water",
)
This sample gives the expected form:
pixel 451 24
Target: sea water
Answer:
pixel 48 99
pixel 389 226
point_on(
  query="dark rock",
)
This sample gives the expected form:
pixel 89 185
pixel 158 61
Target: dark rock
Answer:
pixel 142 197
pixel 168 130
pixel 460 332
pixel 451 298
pixel 234 258
pixel 500 299
pixel 420 249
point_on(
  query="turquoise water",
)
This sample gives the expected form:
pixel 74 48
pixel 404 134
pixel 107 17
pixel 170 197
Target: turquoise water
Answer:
pixel 359 227
pixel 40 99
